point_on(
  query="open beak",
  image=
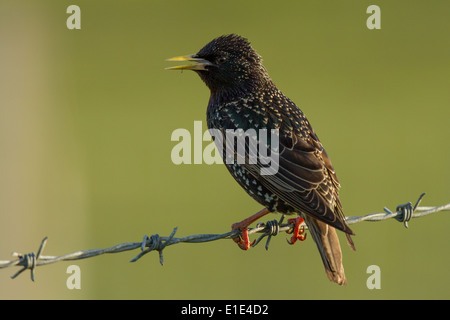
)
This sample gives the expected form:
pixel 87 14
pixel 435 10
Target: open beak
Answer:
pixel 198 63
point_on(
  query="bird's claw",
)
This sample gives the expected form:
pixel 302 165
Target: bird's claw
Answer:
pixel 299 230
pixel 242 241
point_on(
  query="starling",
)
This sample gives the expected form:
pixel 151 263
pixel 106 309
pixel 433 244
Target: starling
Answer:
pixel 243 96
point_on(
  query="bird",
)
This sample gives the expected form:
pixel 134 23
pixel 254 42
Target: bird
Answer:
pixel 243 97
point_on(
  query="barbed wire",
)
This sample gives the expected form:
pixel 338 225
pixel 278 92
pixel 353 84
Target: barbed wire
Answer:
pixel 403 213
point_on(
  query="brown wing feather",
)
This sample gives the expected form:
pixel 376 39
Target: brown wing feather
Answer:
pixel 307 181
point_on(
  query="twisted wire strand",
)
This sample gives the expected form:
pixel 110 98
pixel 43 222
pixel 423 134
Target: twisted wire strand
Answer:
pixel 404 213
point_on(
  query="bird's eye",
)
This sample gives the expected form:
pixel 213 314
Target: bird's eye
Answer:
pixel 221 60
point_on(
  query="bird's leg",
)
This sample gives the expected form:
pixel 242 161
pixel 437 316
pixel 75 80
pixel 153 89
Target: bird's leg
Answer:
pixel 299 230
pixel 243 241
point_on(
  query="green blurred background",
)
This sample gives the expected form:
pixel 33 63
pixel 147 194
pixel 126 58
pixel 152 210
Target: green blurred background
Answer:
pixel 86 118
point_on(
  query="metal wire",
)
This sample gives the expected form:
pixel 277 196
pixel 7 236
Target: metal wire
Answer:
pixel 403 213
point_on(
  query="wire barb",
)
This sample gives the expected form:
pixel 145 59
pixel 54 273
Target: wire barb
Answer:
pixel 158 243
pixel 28 261
pixel 406 211
pixel 271 228
pixel 154 242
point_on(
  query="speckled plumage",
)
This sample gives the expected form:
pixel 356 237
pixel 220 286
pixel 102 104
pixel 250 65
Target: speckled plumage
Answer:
pixel 243 96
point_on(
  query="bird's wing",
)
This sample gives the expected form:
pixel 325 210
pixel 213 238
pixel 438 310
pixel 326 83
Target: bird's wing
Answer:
pixel 305 179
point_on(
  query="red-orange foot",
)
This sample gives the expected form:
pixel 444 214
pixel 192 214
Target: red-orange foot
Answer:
pixel 299 230
pixel 243 241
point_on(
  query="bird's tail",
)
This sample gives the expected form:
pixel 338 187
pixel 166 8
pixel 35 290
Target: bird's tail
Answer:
pixel 327 242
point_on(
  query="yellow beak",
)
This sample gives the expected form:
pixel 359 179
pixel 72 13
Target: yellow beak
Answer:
pixel 199 63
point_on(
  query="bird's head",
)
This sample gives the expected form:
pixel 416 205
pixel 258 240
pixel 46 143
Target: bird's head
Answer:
pixel 227 63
